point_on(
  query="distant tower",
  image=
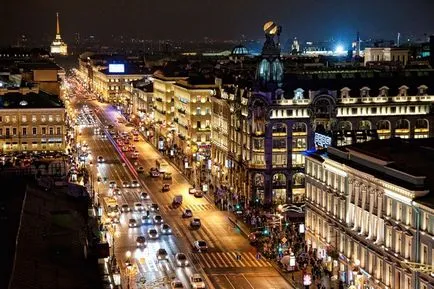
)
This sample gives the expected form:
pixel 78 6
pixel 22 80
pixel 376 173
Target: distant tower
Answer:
pixel 58 46
pixel 358 44
pixel 295 47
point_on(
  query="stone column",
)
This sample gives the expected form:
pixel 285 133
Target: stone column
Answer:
pixel 351 182
pixel 364 192
pixel 380 225
pixel 356 200
pixel 371 219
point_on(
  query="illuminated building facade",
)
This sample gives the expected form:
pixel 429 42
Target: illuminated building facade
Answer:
pixel 272 123
pixel 192 120
pixel 58 46
pixel 31 120
pixel 369 212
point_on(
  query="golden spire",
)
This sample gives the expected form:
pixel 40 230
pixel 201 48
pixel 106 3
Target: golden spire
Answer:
pixel 57 24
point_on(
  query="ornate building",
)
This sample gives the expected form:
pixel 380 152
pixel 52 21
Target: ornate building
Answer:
pixel 369 212
pixel 272 123
pixel 58 46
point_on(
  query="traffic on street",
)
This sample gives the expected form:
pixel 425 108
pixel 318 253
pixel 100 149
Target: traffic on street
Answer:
pixel 161 231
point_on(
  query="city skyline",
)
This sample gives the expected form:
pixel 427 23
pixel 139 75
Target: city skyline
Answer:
pixel 310 20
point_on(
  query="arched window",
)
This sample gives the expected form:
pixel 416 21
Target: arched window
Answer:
pixel 279 129
pixel 403 124
pixel 279 180
pixel 365 124
pixel 259 180
pixel 422 124
pixel 298 179
pixel 383 125
pixel 345 125
pixel 299 127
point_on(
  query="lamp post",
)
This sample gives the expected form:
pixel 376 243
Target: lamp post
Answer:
pixel 128 267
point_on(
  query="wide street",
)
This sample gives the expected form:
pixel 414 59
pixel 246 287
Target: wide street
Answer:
pixel 219 265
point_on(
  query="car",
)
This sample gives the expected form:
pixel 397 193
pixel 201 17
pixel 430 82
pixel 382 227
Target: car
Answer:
pixel 165 188
pixel 195 223
pixel 132 223
pixel 135 184
pixel 136 138
pixel 167 176
pixel 126 141
pixel 196 281
pixel 144 196
pixel 112 184
pixel 187 213
pixel 198 194
pixel 176 284
pixel 125 184
pixel 116 192
pixel 153 233
pixel 153 172
pixel 140 170
pixel 125 208
pixel 135 155
pixel 200 246
pixel 124 148
pixel 100 159
pixel 191 190
pixel 166 229
pixel 147 220
pixel 155 207
pixel 158 219
pixel 141 241
pixel 181 259
pixel 162 254
pixel 138 207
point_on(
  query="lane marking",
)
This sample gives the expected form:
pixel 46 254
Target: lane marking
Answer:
pixel 230 283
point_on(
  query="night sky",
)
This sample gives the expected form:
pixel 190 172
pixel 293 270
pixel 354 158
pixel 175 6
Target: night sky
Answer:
pixel 222 19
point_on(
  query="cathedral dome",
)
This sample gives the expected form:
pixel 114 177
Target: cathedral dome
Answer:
pixel 240 50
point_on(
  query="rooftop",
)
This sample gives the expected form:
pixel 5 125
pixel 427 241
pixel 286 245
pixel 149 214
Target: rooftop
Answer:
pixel 15 100
pixel 404 162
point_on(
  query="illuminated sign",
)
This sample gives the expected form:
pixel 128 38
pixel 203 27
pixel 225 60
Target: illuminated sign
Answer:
pixel 301 229
pixel 322 141
pixel 307 279
pixel 117 68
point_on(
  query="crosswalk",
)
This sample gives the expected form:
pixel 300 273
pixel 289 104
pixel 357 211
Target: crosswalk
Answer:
pixel 192 207
pixel 229 260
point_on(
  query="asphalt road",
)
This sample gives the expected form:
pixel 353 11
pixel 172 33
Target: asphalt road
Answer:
pixel 218 265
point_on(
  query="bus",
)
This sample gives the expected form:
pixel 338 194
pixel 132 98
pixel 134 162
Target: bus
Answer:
pixel 111 209
pixel 162 166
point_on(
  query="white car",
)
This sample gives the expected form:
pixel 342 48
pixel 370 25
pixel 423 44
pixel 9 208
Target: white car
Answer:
pixel 176 284
pixel 138 207
pixel 197 282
